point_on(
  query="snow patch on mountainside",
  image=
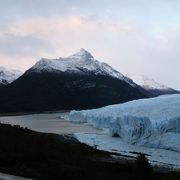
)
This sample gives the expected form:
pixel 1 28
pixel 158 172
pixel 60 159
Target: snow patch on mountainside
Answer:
pixel 8 75
pixel 147 83
pixel 82 62
pixel 153 122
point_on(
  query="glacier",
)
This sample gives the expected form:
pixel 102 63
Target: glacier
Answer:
pixel 153 122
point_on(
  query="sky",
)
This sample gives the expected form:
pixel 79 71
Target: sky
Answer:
pixel 133 36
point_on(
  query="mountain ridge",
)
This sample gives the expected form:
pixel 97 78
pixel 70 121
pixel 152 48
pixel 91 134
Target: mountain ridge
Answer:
pixel 7 76
pixel 81 62
pixel 82 83
pixel 151 85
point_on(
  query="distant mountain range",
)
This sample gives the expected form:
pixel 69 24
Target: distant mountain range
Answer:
pixel 75 82
pixel 8 75
pixel 151 85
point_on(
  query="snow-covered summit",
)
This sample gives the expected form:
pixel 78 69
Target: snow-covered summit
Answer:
pixel 147 83
pixel 8 75
pixel 81 62
pixel 83 53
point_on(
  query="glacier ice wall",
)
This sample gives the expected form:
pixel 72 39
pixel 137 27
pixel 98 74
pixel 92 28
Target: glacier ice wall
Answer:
pixel 153 122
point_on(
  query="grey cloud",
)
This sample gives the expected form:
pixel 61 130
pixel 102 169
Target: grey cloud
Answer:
pixel 23 46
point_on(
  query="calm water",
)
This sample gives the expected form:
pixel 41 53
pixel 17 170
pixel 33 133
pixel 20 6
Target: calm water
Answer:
pixel 48 122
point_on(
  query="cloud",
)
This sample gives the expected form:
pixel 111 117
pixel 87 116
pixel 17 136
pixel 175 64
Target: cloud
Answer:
pixel 23 45
pixel 127 47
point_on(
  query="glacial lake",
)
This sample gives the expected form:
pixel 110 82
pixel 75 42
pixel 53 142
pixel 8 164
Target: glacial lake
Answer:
pixel 49 122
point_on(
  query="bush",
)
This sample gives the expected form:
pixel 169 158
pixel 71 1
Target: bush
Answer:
pixel 172 176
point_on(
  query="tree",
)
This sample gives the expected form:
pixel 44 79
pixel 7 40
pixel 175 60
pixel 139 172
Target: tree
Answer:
pixel 143 169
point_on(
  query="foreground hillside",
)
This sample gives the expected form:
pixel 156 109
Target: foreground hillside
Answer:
pixel 48 156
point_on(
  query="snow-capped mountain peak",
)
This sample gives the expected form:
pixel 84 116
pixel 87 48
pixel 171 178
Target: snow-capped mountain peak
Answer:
pixel 83 54
pixel 8 75
pixel 147 83
pixel 81 62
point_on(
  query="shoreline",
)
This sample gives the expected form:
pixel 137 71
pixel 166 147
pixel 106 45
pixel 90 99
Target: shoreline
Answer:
pixel 31 113
pixel 163 166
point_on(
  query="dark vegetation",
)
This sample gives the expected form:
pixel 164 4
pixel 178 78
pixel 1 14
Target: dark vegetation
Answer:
pixel 36 92
pixel 49 156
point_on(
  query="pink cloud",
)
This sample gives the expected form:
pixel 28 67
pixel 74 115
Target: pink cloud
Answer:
pixel 127 47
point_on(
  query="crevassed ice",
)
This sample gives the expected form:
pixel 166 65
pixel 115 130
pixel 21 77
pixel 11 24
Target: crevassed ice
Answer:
pixel 153 122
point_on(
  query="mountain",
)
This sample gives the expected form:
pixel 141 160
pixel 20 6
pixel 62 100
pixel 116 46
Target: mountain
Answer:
pixel 151 85
pixel 8 75
pixel 82 63
pixel 76 82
